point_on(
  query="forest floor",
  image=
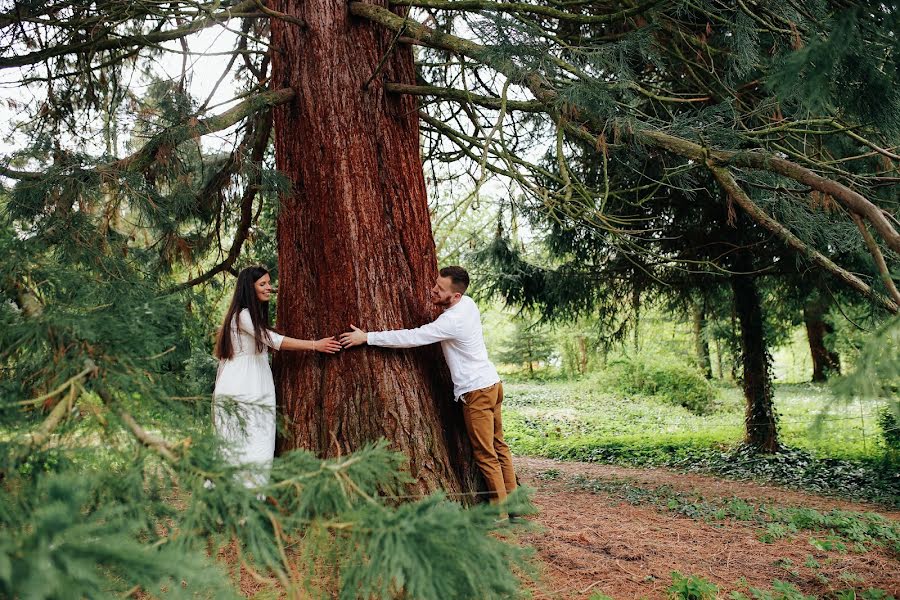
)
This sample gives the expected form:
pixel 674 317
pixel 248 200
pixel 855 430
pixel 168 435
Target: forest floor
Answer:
pixel 621 532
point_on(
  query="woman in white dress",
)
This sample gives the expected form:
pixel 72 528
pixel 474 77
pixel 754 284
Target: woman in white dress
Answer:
pixel 244 397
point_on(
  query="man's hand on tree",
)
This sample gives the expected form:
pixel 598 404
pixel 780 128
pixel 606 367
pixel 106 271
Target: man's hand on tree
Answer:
pixel 357 337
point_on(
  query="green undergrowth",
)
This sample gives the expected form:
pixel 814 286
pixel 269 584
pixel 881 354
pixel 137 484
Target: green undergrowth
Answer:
pixel 695 587
pixel 576 421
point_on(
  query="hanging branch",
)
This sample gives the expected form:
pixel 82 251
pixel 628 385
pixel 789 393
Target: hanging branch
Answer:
pixel 262 131
pixel 734 191
pixel 879 259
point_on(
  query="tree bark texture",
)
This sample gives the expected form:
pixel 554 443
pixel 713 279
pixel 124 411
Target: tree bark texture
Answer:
pixel 355 246
pixel 759 419
pixel 824 360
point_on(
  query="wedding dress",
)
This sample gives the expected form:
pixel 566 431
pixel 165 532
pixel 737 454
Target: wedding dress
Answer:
pixel 244 401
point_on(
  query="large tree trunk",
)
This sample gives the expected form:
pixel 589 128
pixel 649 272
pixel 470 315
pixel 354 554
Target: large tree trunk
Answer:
pixel 355 246
pixel 761 429
pixel 701 343
pixel 824 360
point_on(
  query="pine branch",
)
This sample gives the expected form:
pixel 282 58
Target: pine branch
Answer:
pixel 173 136
pixel 154 442
pixel 464 96
pixel 852 200
pixel 262 130
pixel 522 7
pixel 879 259
pixel 119 42
pixel 547 96
pixel 59 412
pixel 731 187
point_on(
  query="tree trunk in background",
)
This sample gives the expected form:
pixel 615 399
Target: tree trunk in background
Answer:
pixel 636 308
pixel 719 358
pixel 734 345
pixel 761 429
pixel 701 344
pixel 824 360
pixel 355 246
pixel 582 355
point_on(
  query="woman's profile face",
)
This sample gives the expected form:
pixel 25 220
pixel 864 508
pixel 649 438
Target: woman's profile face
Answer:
pixel 263 287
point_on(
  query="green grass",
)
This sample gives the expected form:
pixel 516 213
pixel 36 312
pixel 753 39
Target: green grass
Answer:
pixel 579 421
pixel 563 409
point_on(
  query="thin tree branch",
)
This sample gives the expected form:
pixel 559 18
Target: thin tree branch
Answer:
pixel 731 187
pixel 152 441
pixel 879 258
pixel 520 7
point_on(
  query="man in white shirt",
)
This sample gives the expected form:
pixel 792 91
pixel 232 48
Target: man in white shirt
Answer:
pixel 475 380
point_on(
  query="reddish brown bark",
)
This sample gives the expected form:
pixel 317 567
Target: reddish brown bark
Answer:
pixel 825 361
pixel 355 246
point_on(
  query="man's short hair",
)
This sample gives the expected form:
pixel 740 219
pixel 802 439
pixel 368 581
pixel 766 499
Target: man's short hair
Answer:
pixel 459 277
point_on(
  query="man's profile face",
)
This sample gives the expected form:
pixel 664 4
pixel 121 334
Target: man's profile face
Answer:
pixel 443 293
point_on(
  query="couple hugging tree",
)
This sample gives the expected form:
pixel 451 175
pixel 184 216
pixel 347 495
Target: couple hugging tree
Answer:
pixel 244 376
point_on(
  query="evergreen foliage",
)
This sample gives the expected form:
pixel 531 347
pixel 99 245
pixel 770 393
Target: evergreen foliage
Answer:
pixel 528 345
pixel 661 145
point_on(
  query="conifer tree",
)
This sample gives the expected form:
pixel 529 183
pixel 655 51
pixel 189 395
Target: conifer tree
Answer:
pixel 119 224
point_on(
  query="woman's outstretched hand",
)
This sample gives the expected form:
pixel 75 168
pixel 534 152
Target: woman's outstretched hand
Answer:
pixel 328 345
pixel 356 337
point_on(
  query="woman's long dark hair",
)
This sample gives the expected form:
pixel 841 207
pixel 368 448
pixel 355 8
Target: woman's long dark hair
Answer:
pixel 245 297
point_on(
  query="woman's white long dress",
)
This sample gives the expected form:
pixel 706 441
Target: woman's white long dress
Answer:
pixel 244 401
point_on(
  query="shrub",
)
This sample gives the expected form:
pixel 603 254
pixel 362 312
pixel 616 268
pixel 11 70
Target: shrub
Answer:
pixel 890 429
pixel 675 384
pixel 691 587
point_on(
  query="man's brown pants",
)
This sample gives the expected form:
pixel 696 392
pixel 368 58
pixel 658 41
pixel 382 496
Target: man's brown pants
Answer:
pixel 481 411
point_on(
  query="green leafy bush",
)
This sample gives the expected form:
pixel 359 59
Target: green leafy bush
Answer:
pixel 675 384
pixel 781 590
pixel 691 587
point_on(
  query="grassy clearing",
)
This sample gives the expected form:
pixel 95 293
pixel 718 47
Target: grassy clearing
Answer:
pixel 835 449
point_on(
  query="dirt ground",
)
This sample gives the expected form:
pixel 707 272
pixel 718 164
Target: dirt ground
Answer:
pixel 592 542
pixel 587 542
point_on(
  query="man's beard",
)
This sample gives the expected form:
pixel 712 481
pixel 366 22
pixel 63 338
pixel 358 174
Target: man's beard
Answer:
pixel 441 303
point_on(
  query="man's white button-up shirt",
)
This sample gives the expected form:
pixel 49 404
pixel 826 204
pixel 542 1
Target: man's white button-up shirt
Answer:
pixel 458 329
